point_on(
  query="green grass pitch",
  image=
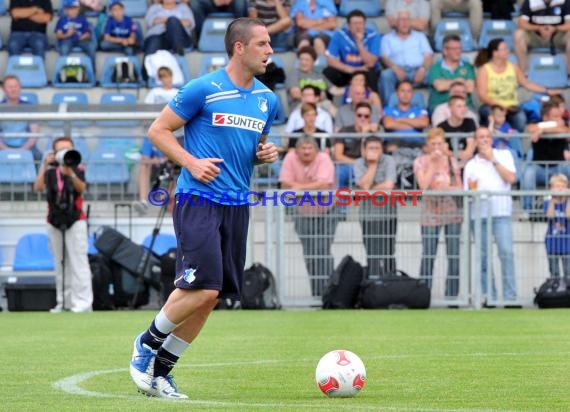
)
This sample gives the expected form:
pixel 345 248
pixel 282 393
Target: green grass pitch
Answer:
pixel 436 360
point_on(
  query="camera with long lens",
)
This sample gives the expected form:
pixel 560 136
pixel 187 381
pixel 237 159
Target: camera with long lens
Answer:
pixel 69 157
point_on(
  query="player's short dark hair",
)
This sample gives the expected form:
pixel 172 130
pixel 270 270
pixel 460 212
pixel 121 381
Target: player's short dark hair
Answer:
pixel 239 30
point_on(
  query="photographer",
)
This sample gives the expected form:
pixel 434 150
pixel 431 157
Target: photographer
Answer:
pixel 62 178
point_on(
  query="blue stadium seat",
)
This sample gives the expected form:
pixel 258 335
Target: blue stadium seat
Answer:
pixel 71 98
pixel 17 166
pixel 3 8
pixel 183 67
pixel 120 143
pixel 33 253
pixel 84 61
pixel 211 62
pixel 109 68
pixel 370 8
pixel 458 27
pixel 135 8
pixel 212 35
pixel 548 71
pixel 417 100
pixel 30 97
pixel 162 244
pixel 281 116
pixel 30 70
pixel 106 166
pixel 113 98
pixel 493 29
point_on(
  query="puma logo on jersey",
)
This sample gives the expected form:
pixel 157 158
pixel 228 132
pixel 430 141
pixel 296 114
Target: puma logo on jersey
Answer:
pixel 218 85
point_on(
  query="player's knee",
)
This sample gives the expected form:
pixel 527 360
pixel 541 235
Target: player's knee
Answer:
pixel 207 298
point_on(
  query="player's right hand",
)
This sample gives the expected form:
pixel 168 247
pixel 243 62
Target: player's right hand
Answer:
pixel 205 170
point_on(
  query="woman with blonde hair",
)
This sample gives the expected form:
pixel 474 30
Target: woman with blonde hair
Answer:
pixel 438 170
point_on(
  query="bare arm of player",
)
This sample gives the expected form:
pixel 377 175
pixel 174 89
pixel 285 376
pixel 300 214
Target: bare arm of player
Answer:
pixel 266 152
pixel 161 134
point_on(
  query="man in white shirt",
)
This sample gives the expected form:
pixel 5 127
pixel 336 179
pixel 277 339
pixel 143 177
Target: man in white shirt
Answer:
pixel 493 170
pixel 309 94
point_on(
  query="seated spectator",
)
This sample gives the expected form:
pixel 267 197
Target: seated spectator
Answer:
pixel 345 114
pixel 459 123
pixel 309 115
pixel 12 92
pixel 309 94
pixel 547 152
pixel 28 27
pixel 354 48
pixel 441 111
pixel 315 21
pixel 542 24
pixel 164 93
pixel 201 9
pixel 451 69
pixel 169 27
pixel 120 31
pixel 73 30
pixel 275 15
pixel 498 81
pixel 377 171
pixel 307 168
pixel 359 78
pixel 406 54
pixel 304 75
pixel 419 13
pixel 473 7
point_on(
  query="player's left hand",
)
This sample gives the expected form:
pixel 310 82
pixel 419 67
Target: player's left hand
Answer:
pixel 267 152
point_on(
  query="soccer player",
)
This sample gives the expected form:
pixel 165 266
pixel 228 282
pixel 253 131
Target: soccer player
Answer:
pixel 226 116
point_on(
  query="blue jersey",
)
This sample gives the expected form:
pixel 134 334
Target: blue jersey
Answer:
pixel 343 46
pixel 557 238
pixel 226 122
pixel 122 29
pixel 80 23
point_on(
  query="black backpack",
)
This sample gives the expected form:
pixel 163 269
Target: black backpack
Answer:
pixel 258 290
pixel 125 72
pixel 553 293
pixel 344 285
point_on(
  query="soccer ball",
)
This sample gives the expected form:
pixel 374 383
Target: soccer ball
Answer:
pixel 340 374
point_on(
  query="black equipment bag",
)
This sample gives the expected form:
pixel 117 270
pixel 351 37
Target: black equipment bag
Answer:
pixel 102 282
pixel 395 290
pixel 343 286
pixel 553 293
pixel 258 290
pixel 167 273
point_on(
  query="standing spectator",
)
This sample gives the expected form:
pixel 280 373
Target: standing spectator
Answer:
pixel 557 240
pixel 305 75
pixel 73 30
pixel 309 94
pixel 169 27
pixel 307 168
pixel 418 9
pixel 542 23
pixel 473 7
pixel 345 114
pixel 441 112
pixel 377 171
pixel 12 97
pixel 354 48
pixel 459 123
pixel 504 138
pixel 314 21
pixel 203 8
pixel 493 170
pixel 28 28
pixel 438 170
pixel 64 186
pixel 451 69
pixel 275 15
pixel 406 54
pixel 120 31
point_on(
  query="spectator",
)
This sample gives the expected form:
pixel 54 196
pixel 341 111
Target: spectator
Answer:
pixel 438 170
pixel 201 9
pixel 372 97
pixel 377 171
pixel 28 27
pixel 406 54
pixel 73 30
pixel 164 93
pixel 348 149
pixel 558 99
pixel 169 27
pixel 418 9
pixel 305 74
pixel 542 24
pixel 473 7
pixel 498 81
pixel 12 97
pixel 548 156
pixel 307 168
pixel 314 21
pixel 354 48
pixel 345 114
pixel 441 111
pixel 557 240
pixel 309 115
pixel 503 131
pixel 459 123
pixel 120 31
pixel 275 15
pixel 451 69
pixel 309 94
pixel 493 170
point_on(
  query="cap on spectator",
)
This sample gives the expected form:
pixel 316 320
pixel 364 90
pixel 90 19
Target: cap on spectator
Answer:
pixel 114 3
pixel 71 3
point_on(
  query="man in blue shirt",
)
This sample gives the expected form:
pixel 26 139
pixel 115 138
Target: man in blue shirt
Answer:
pixel 120 32
pixel 73 30
pixel 226 116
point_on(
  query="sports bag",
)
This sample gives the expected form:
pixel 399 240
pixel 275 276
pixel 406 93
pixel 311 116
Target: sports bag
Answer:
pixel 258 290
pixel 553 293
pixel 395 290
pixel 73 73
pixel 343 286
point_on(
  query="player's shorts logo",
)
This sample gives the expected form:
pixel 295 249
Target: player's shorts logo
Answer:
pixel 240 122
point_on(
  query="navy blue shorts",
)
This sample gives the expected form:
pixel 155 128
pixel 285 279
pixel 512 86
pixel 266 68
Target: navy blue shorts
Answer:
pixel 211 245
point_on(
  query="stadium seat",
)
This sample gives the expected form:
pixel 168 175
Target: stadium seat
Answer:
pixel 370 8
pixel 548 71
pixel 33 253
pixel 106 166
pixel 113 98
pixel 162 244
pixel 30 70
pixel 84 61
pixel 109 69
pixel 212 35
pixel 417 100
pixel 458 27
pixel 135 8
pixel 120 143
pixel 30 97
pixel 71 98
pixel 493 29
pixel 281 116
pixel 17 166
pixel 211 62
pixel 183 63
pixel 2 10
